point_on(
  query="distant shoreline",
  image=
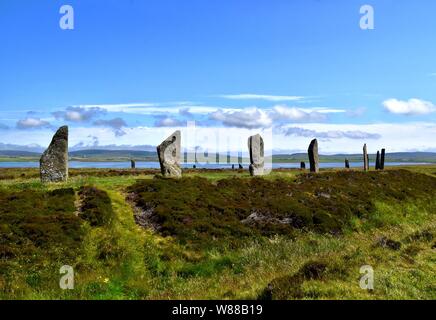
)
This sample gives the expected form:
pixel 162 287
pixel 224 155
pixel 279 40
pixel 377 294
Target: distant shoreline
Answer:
pixel 244 160
pixel 103 156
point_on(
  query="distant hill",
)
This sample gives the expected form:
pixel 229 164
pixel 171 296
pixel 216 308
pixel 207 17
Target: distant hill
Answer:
pixel 16 153
pixel 126 155
pixel 429 157
pixel 112 155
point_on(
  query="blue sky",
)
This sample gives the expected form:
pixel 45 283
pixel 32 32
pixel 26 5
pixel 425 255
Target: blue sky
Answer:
pixel 133 71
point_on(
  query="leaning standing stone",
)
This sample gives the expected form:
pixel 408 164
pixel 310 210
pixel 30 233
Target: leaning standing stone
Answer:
pixel 377 161
pixel 169 156
pixel 255 147
pixel 313 156
pixel 365 158
pixel 53 165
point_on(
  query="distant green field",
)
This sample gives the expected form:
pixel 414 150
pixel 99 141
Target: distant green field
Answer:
pixel 219 234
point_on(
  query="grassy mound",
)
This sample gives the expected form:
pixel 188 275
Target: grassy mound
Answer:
pixel 39 232
pixel 96 206
pixel 199 211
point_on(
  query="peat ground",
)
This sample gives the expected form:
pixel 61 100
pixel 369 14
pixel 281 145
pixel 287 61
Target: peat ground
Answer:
pixel 219 234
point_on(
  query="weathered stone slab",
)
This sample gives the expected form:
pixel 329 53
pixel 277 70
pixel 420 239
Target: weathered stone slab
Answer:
pixel 365 158
pixel 377 161
pixel 256 149
pixel 347 164
pixel 53 165
pixel 169 156
pixel 313 156
pixel 132 164
pixel 303 165
pixel 382 160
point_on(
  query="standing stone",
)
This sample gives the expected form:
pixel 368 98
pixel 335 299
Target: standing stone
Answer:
pixel 347 164
pixel 365 158
pixel 241 167
pixel 255 147
pixel 377 161
pixel 233 167
pixel 382 160
pixel 132 164
pixel 169 156
pixel 53 165
pixel 313 156
pixel 302 165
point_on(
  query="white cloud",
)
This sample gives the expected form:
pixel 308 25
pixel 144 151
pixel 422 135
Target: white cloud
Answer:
pixel 32 123
pixel 155 108
pixel 332 134
pixel 264 118
pixel 79 114
pixel 168 122
pixel 355 113
pixel 267 97
pixel 187 110
pixel 395 137
pixel 249 118
pixel 116 124
pixel 410 107
pixel 296 114
pixel 410 136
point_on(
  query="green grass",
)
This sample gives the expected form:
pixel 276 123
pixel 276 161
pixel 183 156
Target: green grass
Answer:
pixel 90 226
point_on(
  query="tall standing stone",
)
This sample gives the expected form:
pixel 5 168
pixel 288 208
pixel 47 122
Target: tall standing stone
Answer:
pixel 256 149
pixel 347 164
pixel 382 160
pixel 132 164
pixel 53 165
pixel 302 165
pixel 169 156
pixel 313 156
pixel 365 158
pixel 377 161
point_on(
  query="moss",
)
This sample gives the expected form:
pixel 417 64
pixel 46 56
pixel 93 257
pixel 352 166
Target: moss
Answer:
pixel 206 268
pixel 290 286
pixel 96 206
pixel 201 212
pixel 413 250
